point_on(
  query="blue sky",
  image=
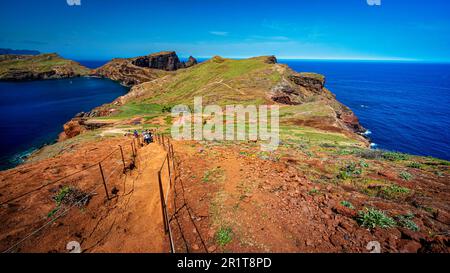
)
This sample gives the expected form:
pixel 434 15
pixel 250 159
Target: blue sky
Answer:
pixel 307 29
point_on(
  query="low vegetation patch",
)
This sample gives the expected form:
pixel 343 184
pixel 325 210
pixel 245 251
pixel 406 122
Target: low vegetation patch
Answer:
pixel 69 196
pixel 405 176
pixel 406 221
pixel 394 191
pixel 213 175
pixel 347 204
pixel 415 165
pixel 371 218
pixel 395 156
pixel 350 170
pixel 370 154
pixel 224 236
pixel 314 192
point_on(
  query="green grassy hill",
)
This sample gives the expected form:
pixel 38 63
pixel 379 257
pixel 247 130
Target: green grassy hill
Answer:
pixel 43 66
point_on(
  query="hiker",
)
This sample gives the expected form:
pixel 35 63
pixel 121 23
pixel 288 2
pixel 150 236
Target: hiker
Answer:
pixel 146 137
pixel 150 136
pixel 136 134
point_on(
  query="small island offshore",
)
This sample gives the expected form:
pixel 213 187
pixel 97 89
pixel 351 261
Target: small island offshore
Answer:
pixel 323 190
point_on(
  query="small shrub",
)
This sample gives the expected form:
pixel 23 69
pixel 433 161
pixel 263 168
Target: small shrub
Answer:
pixel 406 221
pixel 224 236
pixel 349 171
pixel 347 204
pixel 346 152
pixel 370 154
pixel 363 164
pixel 68 196
pixel 314 192
pixel 394 191
pixel 372 218
pixel 405 176
pixel 166 109
pixel 395 156
pixel 59 197
pixel 415 165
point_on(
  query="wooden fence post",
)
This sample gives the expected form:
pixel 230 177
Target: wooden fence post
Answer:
pixel 163 203
pixel 173 162
pixel 123 159
pixel 103 178
pixel 132 150
pixel 168 168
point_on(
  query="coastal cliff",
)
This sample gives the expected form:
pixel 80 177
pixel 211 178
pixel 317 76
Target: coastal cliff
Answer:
pixel 39 67
pixel 137 70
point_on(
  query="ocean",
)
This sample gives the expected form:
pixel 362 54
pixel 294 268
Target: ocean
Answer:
pixel 405 106
pixel 32 113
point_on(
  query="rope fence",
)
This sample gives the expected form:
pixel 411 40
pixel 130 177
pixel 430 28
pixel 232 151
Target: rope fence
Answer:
pixel 87 180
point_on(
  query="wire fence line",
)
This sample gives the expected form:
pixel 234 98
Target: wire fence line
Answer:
pixel 105 170
pixel 120 160
pixel 169 165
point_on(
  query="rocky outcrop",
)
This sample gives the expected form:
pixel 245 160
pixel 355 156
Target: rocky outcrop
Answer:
pixel 298 88
pixel 78 125
pixel 123 71
pixel 295 88
pixel 191 62
pixel 311 81
pixel 134 71
pixel 168 61
pixel 271 60
pixel 40 67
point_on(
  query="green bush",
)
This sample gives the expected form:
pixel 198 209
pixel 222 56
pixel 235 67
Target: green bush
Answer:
pixel 405 176
pixel 415 165
pixel 347 204
pixel 349 171
pixel 166 109
pixel 372 218
pixel 406 221
pixel 394 191
pixel 224 236
pixel 395 156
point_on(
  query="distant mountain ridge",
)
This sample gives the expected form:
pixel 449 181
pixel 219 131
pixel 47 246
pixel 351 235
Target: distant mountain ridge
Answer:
pixel 4 51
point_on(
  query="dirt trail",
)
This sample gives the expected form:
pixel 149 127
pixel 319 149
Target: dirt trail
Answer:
pixel 136 220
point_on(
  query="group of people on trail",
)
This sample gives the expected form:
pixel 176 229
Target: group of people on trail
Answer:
pixel 146 135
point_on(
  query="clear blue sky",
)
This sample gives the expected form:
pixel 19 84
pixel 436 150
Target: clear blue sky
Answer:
pixel 324 29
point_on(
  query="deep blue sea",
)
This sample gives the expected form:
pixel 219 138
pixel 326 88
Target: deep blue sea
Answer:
pixel 406 106
pixel 32 113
